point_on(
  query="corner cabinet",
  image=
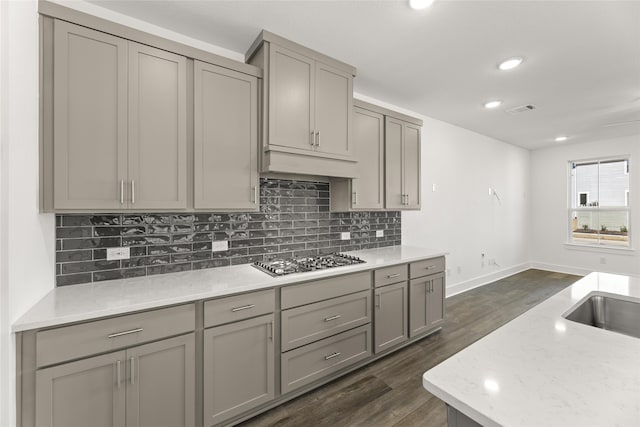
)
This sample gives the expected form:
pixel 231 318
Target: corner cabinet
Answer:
pixel 307 109
pixel 402 164
pixel 225 139
pixel 119 123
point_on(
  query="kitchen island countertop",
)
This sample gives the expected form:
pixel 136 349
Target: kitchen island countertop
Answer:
pixel 83 302
pixel 541 369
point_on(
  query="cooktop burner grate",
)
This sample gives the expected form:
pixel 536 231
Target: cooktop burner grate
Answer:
pixel 280 267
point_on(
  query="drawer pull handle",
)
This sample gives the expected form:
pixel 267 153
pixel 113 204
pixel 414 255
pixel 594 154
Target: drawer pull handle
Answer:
pixel 119 334
pixel 244 307
pixel 431 267
pixel 329 319
pixel 132 361
pixel 393 276
pixel 331 356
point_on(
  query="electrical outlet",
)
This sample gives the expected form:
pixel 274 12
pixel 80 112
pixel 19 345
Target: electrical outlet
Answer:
pixel 345 235
pixel 434 188
pixel 459 269
pixel 490 191
pixel 118 253
pixel 379 233
pixel 492 261
pixel 603 260
pixel 219 245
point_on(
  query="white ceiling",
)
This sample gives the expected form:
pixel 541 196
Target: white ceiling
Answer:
pixel 582 66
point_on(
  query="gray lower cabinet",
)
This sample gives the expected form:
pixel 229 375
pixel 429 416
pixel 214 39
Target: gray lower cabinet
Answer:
pixel 119 119
pixel 225 139
pixel 238 368
pixel 426 296
pixel 390 316
pixel 148 385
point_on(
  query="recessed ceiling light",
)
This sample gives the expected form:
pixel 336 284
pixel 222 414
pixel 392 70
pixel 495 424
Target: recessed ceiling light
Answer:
pixel 420 4
pixel 510 63
pixel 561 138
pixel 492 104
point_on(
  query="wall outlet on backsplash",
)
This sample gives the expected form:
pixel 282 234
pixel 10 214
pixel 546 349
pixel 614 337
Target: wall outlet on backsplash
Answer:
pixel 379 233
pixel 220 245
pixel 345 235
pixel 118 253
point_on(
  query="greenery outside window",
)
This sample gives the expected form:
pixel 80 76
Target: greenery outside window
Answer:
pixel 599 206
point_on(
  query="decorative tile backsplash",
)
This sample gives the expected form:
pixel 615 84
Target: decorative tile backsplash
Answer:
pixel 294 220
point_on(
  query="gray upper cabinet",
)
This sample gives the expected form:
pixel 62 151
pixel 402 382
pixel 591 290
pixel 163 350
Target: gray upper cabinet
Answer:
pixel 225 139
pixel 367 191
pixel 119 120
pixel 402 164
pixel 307 109
pixel 90 118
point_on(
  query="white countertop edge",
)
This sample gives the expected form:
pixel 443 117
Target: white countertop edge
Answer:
pixel 57 307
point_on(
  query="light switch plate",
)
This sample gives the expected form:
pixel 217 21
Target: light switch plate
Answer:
pixel 345 235
pixel 379 233
pixel 219 245
pixel 118 253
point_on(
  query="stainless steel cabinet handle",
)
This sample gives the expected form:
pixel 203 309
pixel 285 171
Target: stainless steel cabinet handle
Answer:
pixel 244 307
pixel 255 194
pixel 329 319
pixel 354 198
pixel 133 191
pixel 133 371
pixel 122 191
pixel 312 139
pixel 271 331
pixel 430 267
pixel 393 276
pixel 317 138
pixel 331 356
pixel 118 372
pixel 119 334
pixel 379 304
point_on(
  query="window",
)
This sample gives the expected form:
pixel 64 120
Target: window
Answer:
pixel 599 208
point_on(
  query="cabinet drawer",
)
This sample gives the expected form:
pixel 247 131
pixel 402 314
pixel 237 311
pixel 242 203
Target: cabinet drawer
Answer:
pixel 314 361
pixel 389 275
pixel 73 342
pixel 231 309
pixel 318 290
pixel 426 267
pixel 309 323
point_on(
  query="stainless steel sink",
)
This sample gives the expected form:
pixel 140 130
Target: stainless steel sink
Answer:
pixel 608 313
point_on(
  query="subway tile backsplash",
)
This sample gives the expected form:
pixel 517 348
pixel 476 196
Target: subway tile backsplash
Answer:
pixel 294 220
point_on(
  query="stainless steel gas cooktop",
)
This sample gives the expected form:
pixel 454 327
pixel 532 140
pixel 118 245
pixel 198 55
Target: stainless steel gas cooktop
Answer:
pixel 280 267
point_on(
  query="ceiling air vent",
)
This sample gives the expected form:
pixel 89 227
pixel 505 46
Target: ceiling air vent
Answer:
pixel 521 109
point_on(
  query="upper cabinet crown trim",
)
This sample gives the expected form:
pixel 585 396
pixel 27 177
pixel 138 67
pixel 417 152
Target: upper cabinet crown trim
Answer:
pixel 266 36
pixel 386 112
pixel 58 11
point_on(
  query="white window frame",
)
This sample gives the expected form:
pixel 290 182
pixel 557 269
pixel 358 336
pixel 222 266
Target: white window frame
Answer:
pixel 571 194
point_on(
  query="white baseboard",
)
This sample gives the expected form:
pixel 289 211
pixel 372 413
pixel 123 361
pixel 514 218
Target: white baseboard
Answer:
pixel 560 268
pixel 486 279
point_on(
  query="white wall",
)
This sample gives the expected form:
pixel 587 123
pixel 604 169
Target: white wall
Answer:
pixel 27 238
pixel 549 209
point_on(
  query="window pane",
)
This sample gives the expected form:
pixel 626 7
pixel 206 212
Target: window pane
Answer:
pixel 584 184
pixel 614 183
pixel 584 227
pixel 607 228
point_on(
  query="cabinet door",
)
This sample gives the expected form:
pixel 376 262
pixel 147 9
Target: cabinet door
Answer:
pixel 394 135
pixel 238 368
pixel 418 296
pixel 89 392
pixel 157 129
pixel 161 383
pixel 225 139
pixel 334 107
pixel 368 136
pixel 435 301
pixel 90 118
pixel 411 166
pixel 390 316
pixel 291 99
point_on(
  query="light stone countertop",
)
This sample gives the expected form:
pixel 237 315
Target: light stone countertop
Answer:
pixel 94 300
pixel 543 370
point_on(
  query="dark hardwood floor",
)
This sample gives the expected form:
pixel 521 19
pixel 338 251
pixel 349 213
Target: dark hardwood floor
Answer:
pixel 389 391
